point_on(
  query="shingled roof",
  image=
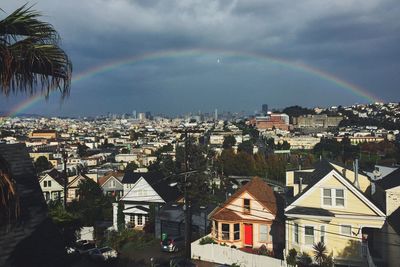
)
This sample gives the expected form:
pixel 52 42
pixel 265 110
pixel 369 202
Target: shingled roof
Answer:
pixel 390 181
pixel 117 175
pixel 33 240
pixel 261 192
pixel 157 181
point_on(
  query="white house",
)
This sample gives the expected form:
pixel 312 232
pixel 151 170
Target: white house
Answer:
pixel 52 185
pixel 141 190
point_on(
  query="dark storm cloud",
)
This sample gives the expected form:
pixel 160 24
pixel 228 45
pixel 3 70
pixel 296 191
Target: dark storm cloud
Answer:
pixel 356 40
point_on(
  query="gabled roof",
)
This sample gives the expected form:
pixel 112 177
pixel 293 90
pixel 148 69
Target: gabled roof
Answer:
pixel 320 173
pixel 157 181
pixel 78 177
pixel 117 175
pixel 257 188
pixel 390 181
pixel 59 177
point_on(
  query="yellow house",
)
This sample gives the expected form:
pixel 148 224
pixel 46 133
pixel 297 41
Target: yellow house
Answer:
pixel 331 207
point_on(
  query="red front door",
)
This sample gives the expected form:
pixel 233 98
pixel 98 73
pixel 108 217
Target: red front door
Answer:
pixel 248 235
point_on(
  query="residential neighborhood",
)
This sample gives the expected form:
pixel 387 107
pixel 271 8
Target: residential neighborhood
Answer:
pixel 266 194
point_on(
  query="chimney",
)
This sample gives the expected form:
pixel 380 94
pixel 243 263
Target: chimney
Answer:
pixel 355 165
pixel 344 172
pixel 300 185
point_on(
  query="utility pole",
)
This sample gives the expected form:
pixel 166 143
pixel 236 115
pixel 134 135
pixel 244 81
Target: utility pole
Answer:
pixel 188 216
pixel 65 157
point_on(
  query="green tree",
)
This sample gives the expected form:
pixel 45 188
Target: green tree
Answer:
pixel 246 146
pixel 120 217
pixel 91 205
pixel 283 146
pixel 131 166
pixel 30 57
pixel 66 222
pixel 42 164
pixel 82 150
pixel 124 151
pixel 229 142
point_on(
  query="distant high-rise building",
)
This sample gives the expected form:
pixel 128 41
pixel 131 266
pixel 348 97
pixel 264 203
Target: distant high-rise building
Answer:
pixel 134 114
pixel 216 115
pixel 264 108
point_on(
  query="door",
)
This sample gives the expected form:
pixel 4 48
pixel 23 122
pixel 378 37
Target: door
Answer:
pixel 248 235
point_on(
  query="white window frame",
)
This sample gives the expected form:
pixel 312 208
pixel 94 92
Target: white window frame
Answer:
pixel 333 198
pixel 267 233
pixel 344 235
pixel 141 220
pixel 294 233
pixel 112 183
pixel 304 234
pixel 322 233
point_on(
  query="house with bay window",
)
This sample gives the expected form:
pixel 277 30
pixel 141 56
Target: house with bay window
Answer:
pixel 143 191
pixel 249 218
pixel 332 205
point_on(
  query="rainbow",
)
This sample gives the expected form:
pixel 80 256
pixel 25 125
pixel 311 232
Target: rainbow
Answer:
pixel 115 64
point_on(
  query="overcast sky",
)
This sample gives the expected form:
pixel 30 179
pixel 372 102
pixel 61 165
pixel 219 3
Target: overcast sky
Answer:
pixel 354 40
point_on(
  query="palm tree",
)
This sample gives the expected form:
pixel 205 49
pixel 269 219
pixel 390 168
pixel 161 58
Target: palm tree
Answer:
pixel 30 61
pixel 9 207
pixel 320 253
pixel 30 57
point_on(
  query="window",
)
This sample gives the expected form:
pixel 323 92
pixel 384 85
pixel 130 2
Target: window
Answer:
pixel 225 231
pixel 112 183
pixel 339 199
pixel 296 233
pixel 333 197
pixel 131 223
pixel 146 218
pixel 309 235
pixel 49 183
pixel 345 230
pixel 236 231
pixel 322 239
pixel 45 184
pixel 246 205
pixel 263 233
pixel 216 229
pixel 139 220
pixel 327 197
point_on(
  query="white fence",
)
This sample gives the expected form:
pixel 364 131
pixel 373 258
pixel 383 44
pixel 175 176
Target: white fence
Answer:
pixel 226 255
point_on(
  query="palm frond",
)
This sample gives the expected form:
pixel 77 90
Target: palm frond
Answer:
pixel 9 205
pixel 24 22
pixel 30 57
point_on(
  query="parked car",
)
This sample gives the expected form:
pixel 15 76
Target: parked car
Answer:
pixel 173 244
pixel 84 246
pixel 102 254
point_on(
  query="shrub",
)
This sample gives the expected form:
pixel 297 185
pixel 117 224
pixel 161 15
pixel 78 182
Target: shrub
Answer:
pixel 262 250
pixel 207 240
pixel 304 260
pixel 291 257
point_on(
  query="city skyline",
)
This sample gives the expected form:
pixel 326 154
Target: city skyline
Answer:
pixel 180 58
